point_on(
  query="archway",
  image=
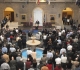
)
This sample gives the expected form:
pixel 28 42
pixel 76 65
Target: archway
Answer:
pixel 38 15
pixel 10 13
pixel 67 13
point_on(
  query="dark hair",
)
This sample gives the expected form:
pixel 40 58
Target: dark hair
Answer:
pixel 49 62
pixel 34 50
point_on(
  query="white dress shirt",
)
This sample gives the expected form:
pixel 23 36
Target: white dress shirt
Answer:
pixel 59 41
pixel 62 50
pixel 58 60
pixel 49 54
pixel 64 59
pixel 38 36
pixel 40 33
pixel 59 33
pixel 44 37
pixel 2 38
pixel 12 49
pixel 69 47
pixel 67 35
pixel 8 39
pixel 29 51
pixel 63 31
pixel 17 31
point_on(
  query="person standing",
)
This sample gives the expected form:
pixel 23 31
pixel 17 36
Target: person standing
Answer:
pixel 5 66
pixel 28 64
pixel 4 49
pixel 37 24
pixel 49 65
pixel 44 67
pixel 13 64
pixel 20 64
pixel 5 56
pixel 58 61
pixel 44 59
pixel 49 54
pixel 68 21
pixel 71 22
pixel 33 54
pixel 64 61
pixel 34 64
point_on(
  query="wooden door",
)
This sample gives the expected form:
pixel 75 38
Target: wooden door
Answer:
pixel 12 16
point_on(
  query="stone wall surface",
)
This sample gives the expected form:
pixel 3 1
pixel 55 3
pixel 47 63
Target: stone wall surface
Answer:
pixel 55 8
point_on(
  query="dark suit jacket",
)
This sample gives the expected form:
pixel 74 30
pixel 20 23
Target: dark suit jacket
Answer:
pixel 20 65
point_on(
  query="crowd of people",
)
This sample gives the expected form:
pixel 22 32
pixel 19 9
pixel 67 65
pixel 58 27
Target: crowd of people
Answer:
pixel 11 43
pixel 5 20
pixel 61 49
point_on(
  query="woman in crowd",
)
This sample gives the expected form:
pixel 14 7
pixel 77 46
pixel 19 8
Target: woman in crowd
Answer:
pixel 34 64
pixel 49 64
pixel 28 64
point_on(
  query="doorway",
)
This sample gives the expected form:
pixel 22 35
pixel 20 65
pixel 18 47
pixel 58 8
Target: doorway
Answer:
pixel 10 13
pixel 68 12
pixel 67 15
pixel 38 15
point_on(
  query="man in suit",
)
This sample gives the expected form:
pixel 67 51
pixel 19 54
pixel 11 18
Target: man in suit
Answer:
pixel 37 24
pixel 20 65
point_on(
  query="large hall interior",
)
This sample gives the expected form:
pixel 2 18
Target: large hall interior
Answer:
pixel 39 34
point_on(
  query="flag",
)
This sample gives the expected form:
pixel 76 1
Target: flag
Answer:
pixel 48 1
pixel 76 2
pixel 44 18
pixel 37 2
pixel 31 19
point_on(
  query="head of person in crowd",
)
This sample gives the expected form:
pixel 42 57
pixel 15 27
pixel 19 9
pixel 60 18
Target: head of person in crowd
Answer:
pixel 44 55
pixel 12 58
pixel 28 59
